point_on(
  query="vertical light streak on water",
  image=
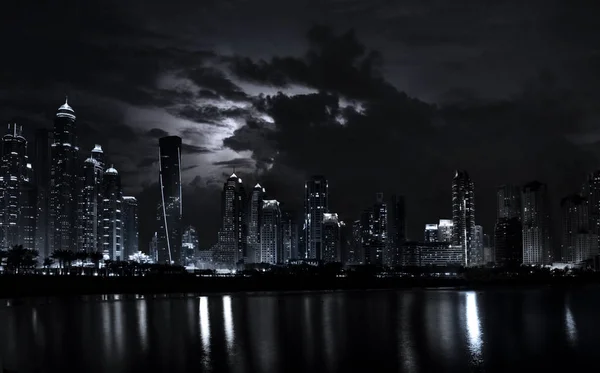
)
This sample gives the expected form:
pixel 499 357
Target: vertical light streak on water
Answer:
pixel 205 327
pixel 570 326
pixel 328 332
pixel 142 316
pixel 228 321
pixel 473 326
pixel 407 356
pixel 119 333
pixel 309 345
pixel 107 329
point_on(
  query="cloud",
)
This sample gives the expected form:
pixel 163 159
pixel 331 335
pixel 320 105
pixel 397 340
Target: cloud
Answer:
pixel 147 162
pixel 194 149
pixel 157 133
pixel 236 162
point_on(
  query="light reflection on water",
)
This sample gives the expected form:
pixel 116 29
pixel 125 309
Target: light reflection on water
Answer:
pixel 413 331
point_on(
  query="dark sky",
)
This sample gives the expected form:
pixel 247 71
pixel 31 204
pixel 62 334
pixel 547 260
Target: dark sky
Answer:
pixel 391 96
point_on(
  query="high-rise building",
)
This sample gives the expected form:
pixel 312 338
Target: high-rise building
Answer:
pixel 463 217
pixel 13 176
pixel 189 245
pixel 445 228
pixel 270 233
pixel 254 214
pixel 431 233
pixel 478 243
pixel 131 237
pixel 592 193
pixel 90 207
pixel 316 197
pixel 331 238
pixel 289 230
pixel 27 218
pixel 508 237
pixel 374 222
pixel 397 228
pixel 64 174
pixel 153 248
pixel 508 199
pixel 170 230
pixel 229 251
pixel 578 242
pixel 112 216
pixel 537 243
pixel 44 138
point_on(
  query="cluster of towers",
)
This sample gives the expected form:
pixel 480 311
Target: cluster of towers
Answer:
pixel 61 201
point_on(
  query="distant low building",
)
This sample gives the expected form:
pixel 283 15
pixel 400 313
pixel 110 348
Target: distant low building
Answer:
pixel 421 254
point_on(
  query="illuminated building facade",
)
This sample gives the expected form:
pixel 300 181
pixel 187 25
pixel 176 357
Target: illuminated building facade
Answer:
pixel 331 238
pixel 316 199
pixel 397 228
pixel 64 174
pixel 170 208
pixel 130 226
pixel 90 206
pixel 289 230
pixel 189 245
pixel 537 243
pixel 230 248
pixel 254 216
pixel 445 228
pixel 508 199
pixel 578 242
pixel 374 226
pixel 27 219
pixel 508 238
pixel 463 217
pixel 13 176
pixel 44 138
pixel 421 254
pixel 271 248
pixel 431 233
pixel 112 216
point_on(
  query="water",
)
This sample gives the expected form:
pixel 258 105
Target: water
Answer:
pixel 375 331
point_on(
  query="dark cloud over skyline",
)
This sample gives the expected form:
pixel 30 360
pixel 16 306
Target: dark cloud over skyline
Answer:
pixel 391 96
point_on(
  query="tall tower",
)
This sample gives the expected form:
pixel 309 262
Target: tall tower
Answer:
pixel 316 196
pixel 397 227
pixel 578 243
pixel 130 226
pixel 189 245
pixel 508 199
pixel 537 243
pixel 374 224
pixel 289 230
pixel 270 233
pixel 64 181
pixel 169 234
pixel 332 238
pixel 592 193
pixel 254 215
pixel 230 248
pixel 90 207
pixel 42 165
pixel 27 218
pixel 463 217
pixel 112 219
pixel 13 176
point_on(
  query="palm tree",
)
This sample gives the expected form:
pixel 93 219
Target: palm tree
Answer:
pixel 81 256
pixel 59 255
pixel 20 258
pixel 48 263
pixel 96 257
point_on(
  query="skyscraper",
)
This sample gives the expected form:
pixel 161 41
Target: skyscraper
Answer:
pixel 130 226
pixel 230 247
pixel 13 176
pixel 28 216
pixel 592 193
pixel 375 235
pixel 112 216
pixel 189 245
pixel 478 243
pixel 431 233
pixel 331 238
pixel 463 217
pixel 90 207
pixel 64 174
pixel 355 254
pixel 289 230
pixel 508 237
pixel 254 214
pixel 578 243
pixel 445 228
pixel 44 138
pixel 397 227
pixel 508 201
pixel 315 205
pixel 170 230
pixel 271 250
pixel 535 216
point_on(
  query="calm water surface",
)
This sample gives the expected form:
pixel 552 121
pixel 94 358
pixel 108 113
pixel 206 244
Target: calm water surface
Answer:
pixel 375 331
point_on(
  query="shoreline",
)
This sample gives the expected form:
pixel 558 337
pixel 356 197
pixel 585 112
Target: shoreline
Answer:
pixel 27 286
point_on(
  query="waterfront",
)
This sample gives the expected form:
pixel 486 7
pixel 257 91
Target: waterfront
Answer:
pixel 412 331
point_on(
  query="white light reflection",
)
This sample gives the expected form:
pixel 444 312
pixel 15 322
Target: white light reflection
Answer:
pixel 406 347
pixel 570 326
pixel 142 323
pixel 473 325
pixel 204 325
pixel 228 320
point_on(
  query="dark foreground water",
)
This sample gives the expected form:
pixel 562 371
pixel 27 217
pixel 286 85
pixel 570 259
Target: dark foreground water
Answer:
pixel 374 331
